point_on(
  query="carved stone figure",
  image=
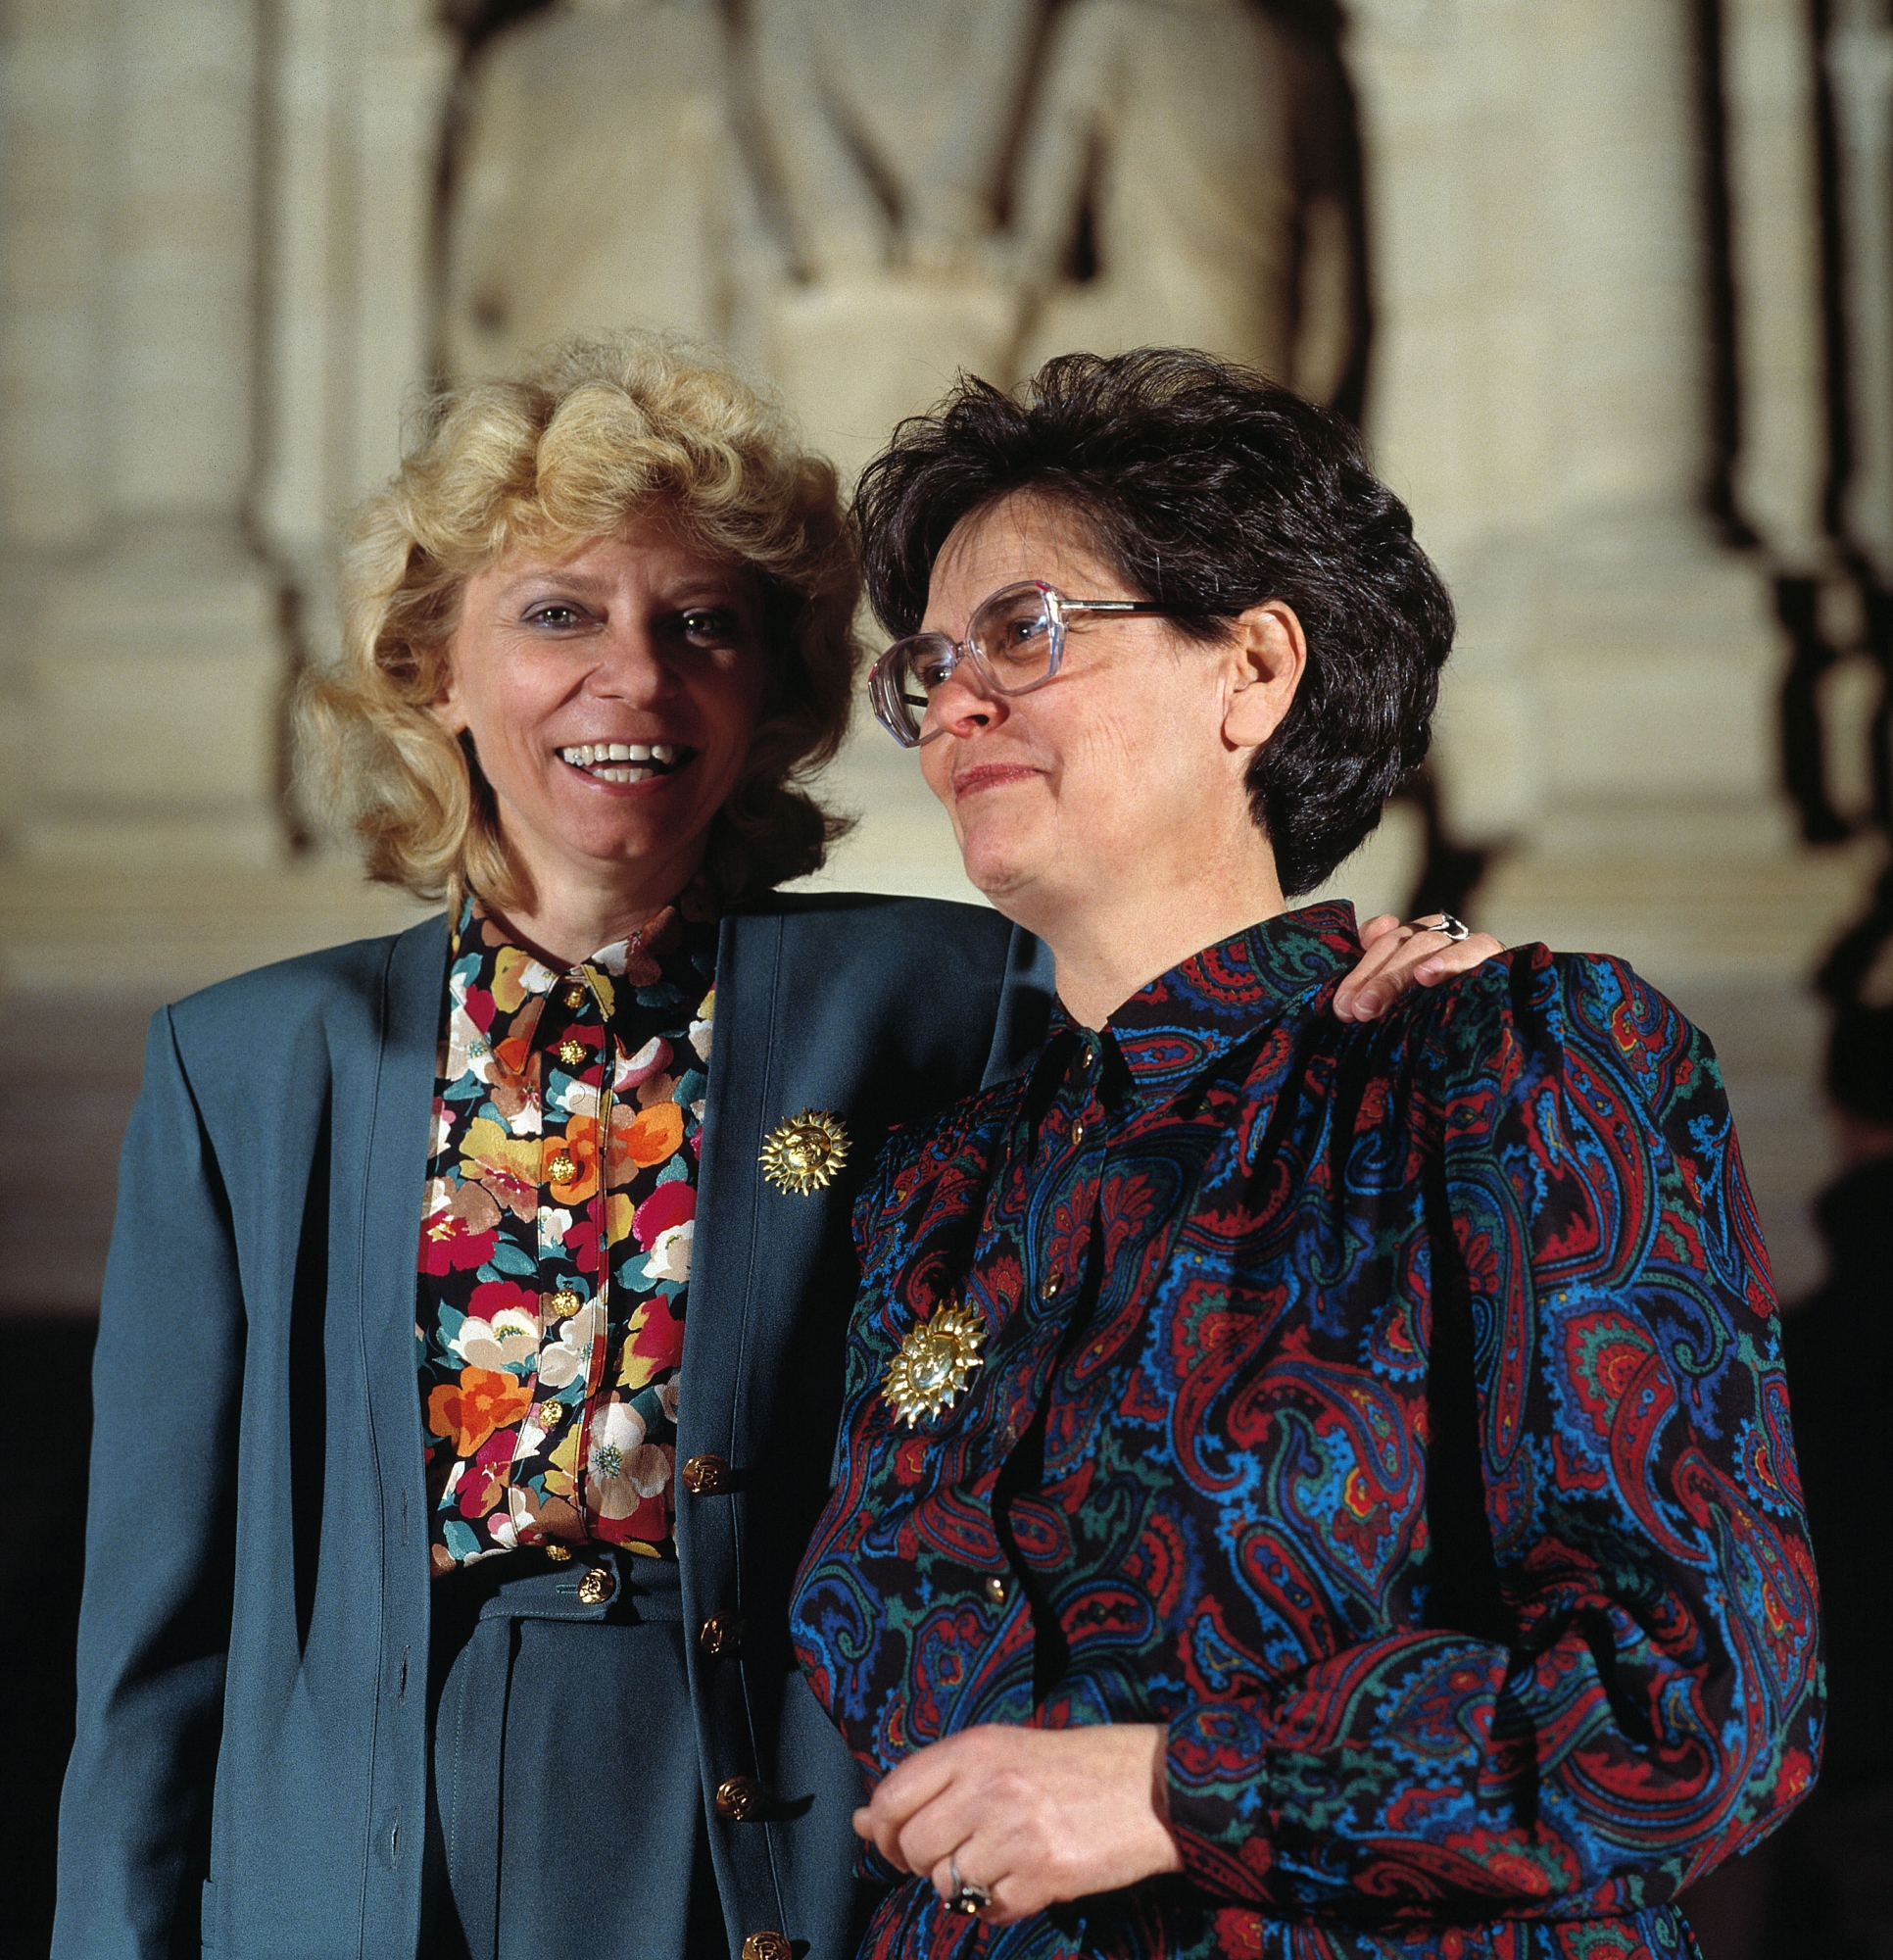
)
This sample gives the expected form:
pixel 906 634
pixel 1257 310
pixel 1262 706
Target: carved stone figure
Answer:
pixel 1170 123
pixel 604 176
pixel 887 122
pixel 887 127
pixel 599 183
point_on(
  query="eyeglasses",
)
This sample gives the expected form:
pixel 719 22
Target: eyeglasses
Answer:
pixel 1014 641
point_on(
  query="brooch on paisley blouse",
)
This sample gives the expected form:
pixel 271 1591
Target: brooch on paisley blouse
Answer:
pixel 803 1153
pixel 935 1363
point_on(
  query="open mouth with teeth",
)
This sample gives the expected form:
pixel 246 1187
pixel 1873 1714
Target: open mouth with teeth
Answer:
pixel 626 762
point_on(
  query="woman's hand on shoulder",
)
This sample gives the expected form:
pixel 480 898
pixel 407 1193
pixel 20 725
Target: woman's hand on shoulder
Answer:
pixel 1402 955
pixel 1030 1816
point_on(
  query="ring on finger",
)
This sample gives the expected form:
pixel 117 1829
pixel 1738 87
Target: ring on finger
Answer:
pixel 966 1897
pixel 1446 924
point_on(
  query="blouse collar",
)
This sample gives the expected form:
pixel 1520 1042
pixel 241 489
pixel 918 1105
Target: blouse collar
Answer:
pixel 1195 1014
pixel 637 960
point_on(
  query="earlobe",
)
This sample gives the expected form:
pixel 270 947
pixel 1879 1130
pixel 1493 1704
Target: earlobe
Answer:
pixel 447 710
pixel 1270 651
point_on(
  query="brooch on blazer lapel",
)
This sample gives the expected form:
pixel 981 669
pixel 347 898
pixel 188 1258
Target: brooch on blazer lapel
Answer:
pixel 935 1363
pixel 803 1153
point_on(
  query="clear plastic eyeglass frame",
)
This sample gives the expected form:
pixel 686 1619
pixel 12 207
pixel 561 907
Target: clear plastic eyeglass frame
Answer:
pixel 1014 643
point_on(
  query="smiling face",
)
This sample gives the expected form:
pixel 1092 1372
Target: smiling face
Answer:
pixel 1125 771
pixel 611 693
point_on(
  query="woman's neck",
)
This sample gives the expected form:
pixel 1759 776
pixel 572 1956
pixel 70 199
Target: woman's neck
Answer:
pixel 565 919
pixel 1108 948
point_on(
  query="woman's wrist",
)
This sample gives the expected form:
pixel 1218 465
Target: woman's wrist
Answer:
pixel 1159 1739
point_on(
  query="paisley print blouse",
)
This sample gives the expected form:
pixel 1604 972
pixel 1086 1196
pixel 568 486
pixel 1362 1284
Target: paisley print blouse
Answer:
pixel 555 1242
pixel 1394 1411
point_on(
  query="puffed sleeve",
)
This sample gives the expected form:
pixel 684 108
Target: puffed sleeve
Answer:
pixel 1640 1696
pixel 155 1623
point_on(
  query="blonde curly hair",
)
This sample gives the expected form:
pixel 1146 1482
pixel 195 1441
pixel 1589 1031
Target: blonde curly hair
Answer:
pixel 595 434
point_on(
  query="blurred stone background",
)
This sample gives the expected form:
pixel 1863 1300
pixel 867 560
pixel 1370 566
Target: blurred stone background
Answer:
pixel 1608 282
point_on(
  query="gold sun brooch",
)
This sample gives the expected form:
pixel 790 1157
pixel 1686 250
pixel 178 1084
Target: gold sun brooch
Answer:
pixel 935 1363
pixel 803 1153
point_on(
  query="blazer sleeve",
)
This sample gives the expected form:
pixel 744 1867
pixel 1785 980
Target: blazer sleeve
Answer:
pixel 155 1620
pixel 1645 1697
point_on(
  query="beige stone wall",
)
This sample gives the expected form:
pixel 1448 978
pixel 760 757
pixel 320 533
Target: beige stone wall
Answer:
pixel 222 272
pixel 214 256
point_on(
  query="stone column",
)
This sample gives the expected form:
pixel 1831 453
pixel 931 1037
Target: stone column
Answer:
pixel 156 666
pixel 1541 397
pixel 55 109
pixel 1859 67
pixel 52 274
pixel 1458 408
pixel 1660 660
pixel 355 92
pixel 1775 202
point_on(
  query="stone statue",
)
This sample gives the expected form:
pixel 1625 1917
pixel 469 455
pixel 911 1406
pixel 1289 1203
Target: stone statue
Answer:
pixel 618 157
pixel 887 122
pixel 1171 125
pixel 599 183
pixel 887 126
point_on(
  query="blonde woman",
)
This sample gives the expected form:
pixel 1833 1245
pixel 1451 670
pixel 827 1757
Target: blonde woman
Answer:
pixel 471 1356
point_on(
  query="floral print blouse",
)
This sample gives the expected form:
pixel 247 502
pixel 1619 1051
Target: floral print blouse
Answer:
pixel 555 1239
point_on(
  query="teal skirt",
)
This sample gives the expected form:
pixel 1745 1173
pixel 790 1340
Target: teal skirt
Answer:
pixel 565 1812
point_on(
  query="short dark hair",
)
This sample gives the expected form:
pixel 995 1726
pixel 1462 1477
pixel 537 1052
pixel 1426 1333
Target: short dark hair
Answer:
pixel 1210 488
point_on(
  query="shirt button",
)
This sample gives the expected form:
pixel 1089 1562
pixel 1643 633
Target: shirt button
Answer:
pixel 564 1302
pixel 559 1554
pixel 575 995
pixel 768 1946
pixel 720 1634
pixel 551 1414
pixel 572 1053
pixel 739 1798
pixel 1049 1287
pixel 704 1476
pixel 562 1168
pixel 1009 1436
pixel 1077 1134
pixel 596 1586
pixel 996 1591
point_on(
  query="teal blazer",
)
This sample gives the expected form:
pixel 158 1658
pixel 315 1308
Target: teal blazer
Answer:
pixel 249 1775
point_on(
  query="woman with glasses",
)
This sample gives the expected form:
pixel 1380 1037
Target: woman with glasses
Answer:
pixel 1304 1488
